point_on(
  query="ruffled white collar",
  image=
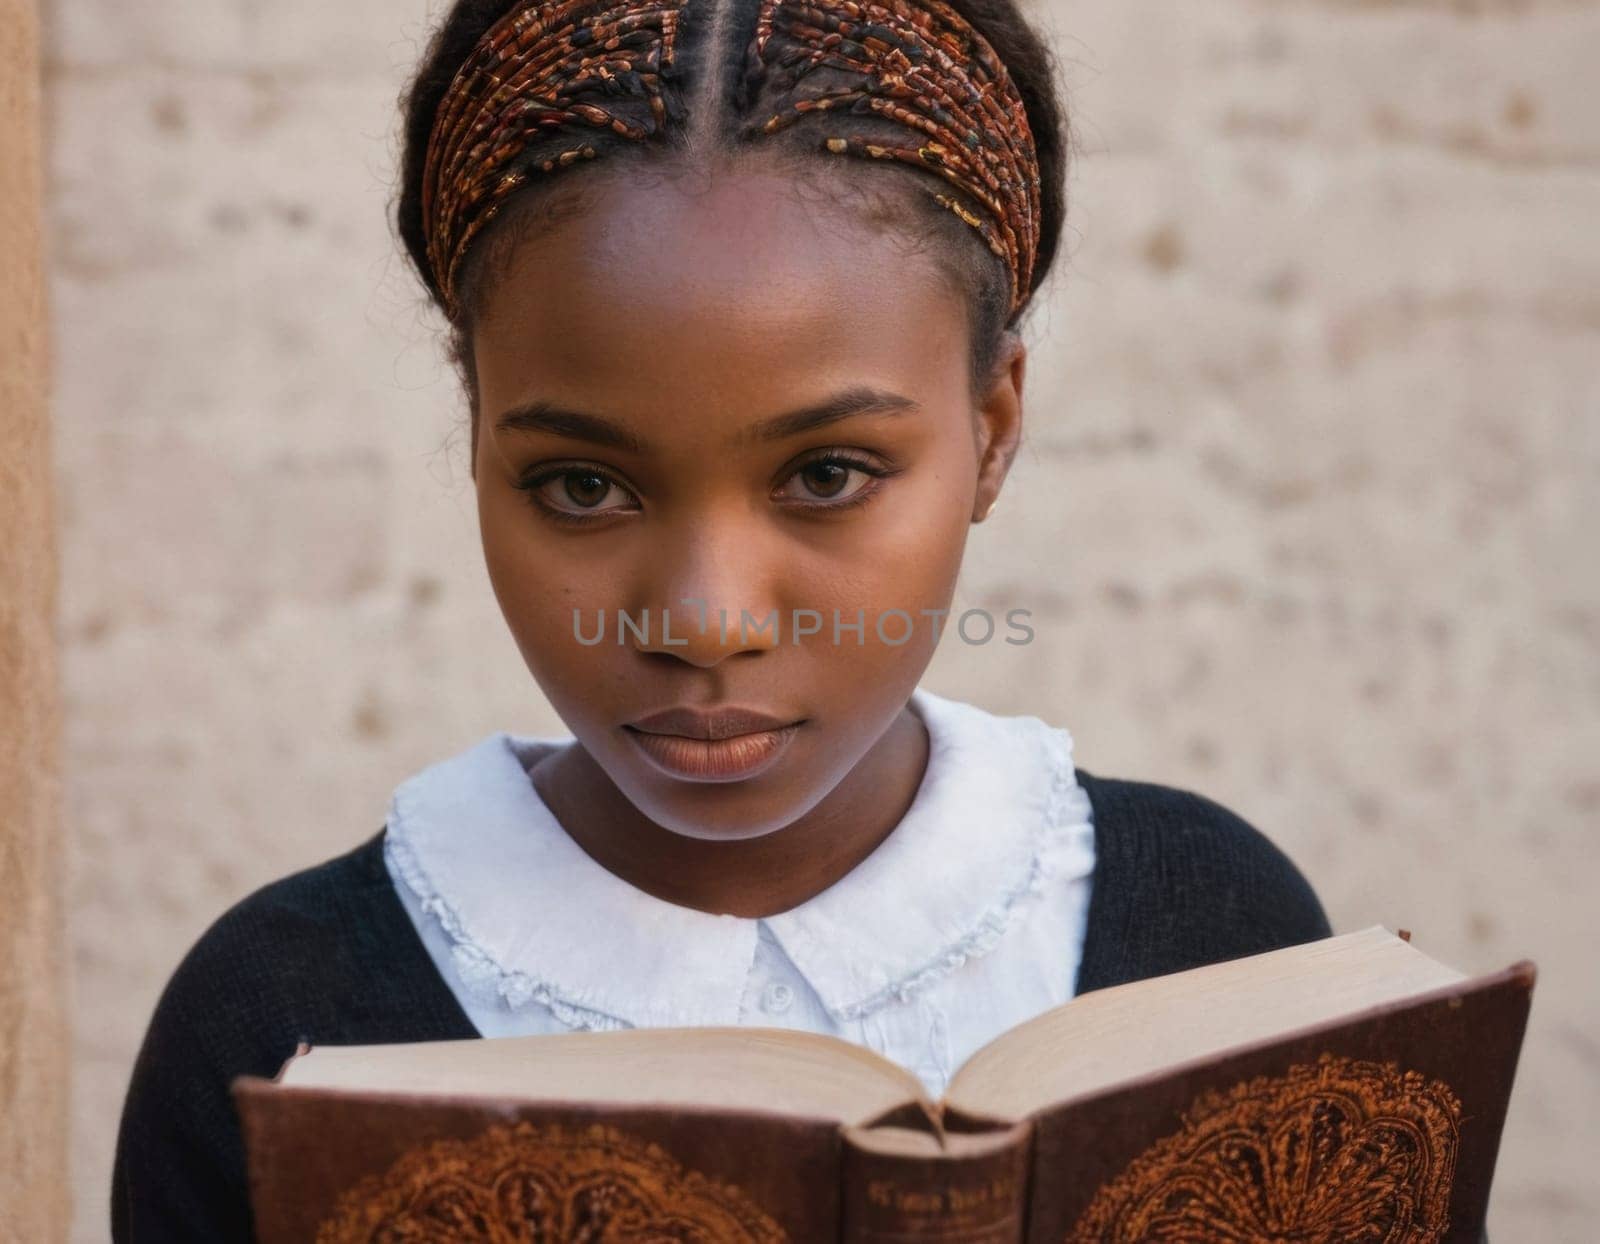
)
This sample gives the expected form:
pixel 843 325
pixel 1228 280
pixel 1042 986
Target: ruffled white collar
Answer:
pixel 533 917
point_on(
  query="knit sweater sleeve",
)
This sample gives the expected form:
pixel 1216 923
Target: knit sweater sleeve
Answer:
pixel 1181 881
pixel 325 956
pixel 179 1170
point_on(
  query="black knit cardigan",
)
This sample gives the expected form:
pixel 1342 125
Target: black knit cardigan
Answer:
pixel 329 956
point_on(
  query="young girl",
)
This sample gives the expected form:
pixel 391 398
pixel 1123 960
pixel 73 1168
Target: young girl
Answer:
pixel 734 289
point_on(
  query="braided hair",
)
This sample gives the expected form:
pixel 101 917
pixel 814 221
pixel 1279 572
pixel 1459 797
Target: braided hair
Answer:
pixel 509 95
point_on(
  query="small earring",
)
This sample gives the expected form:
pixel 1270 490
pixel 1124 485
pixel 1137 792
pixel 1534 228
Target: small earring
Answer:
pixel 990 510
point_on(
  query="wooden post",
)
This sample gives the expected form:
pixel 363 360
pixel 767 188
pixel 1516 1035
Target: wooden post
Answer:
pixel 33 1047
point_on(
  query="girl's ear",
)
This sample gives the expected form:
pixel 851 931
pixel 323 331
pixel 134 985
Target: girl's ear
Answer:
pixel 999 427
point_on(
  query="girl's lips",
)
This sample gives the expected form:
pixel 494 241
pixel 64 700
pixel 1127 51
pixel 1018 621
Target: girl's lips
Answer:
pixel 713 760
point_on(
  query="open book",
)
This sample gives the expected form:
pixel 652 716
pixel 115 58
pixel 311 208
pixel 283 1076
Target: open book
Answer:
pixel 1346 1089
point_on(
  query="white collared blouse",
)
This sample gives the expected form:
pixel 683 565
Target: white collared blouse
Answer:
pixel 966 920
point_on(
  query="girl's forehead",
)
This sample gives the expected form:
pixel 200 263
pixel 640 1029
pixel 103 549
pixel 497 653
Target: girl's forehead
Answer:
pixel 673 285
pixel 719 215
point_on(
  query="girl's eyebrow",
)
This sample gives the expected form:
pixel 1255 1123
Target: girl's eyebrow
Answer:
pixel 545 416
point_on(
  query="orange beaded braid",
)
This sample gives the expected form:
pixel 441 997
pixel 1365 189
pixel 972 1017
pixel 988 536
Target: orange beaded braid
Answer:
pixel 915 63
pixel 925 67
pixel 520 80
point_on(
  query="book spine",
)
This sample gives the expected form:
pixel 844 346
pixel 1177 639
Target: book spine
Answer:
pixel 971 1197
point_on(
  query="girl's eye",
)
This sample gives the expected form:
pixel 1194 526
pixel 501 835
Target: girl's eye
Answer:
pixel 573 494
pixel 826 483
pixel 576 495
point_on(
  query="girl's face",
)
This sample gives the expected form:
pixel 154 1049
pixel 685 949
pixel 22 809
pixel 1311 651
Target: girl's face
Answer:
pixel 693 401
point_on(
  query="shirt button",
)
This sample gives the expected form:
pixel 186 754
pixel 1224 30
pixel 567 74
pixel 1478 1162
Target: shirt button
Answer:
pixel 776 998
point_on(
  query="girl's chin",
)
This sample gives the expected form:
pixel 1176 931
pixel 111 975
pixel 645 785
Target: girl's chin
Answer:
pixel 728 811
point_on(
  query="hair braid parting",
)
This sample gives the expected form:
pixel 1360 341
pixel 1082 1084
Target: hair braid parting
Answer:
pixel 917 64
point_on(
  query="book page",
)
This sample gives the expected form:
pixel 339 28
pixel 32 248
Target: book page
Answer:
pixel 774 1069
pixel 1119 1033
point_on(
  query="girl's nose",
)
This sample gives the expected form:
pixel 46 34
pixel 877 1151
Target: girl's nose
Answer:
pixel 703 632
pixel 709 598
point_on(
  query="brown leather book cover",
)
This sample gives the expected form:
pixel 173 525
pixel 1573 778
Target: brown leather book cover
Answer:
pixel 1382 1128
pixel 334 1167
pixel 1382 1125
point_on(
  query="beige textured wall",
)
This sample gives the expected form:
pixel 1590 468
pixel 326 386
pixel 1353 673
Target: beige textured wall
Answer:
pixel 33 1052
pixel 1315 452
